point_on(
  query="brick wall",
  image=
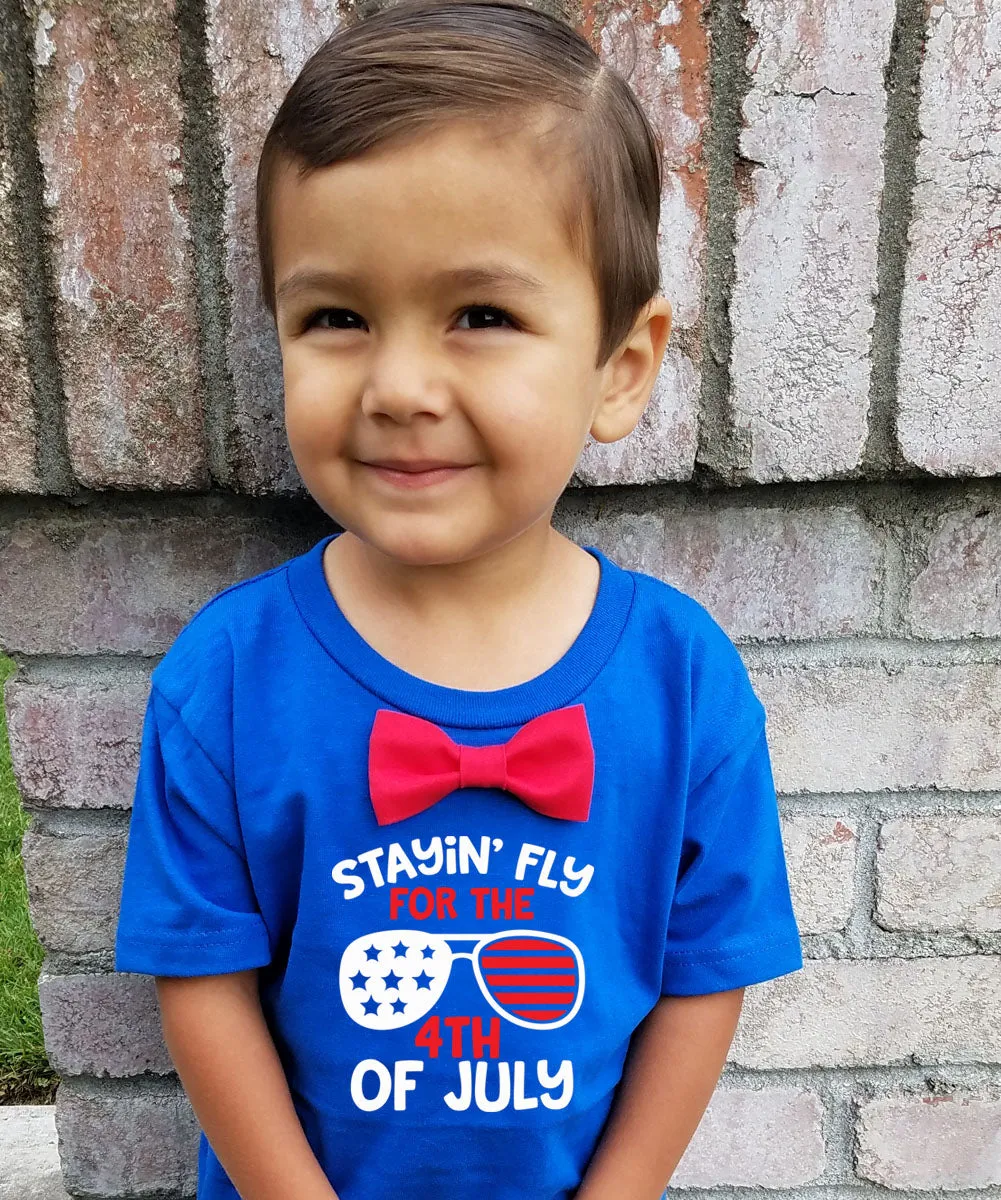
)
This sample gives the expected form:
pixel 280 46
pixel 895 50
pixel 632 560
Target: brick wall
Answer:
pixel 819 466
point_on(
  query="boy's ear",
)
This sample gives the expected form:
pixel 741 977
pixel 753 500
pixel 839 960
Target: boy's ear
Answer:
pixel 630 373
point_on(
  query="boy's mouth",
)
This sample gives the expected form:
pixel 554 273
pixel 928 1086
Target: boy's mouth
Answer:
pixel 415 473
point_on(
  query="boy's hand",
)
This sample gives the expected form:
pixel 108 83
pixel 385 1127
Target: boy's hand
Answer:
pixel 221 1046
pixel 675 1060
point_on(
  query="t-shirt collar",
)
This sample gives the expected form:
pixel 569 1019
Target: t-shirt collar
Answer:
pixel 558 685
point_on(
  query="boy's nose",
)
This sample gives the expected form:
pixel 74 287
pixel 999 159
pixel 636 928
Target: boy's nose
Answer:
pixel 404 378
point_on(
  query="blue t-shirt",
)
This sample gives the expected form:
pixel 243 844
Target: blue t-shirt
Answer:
pixel 452 995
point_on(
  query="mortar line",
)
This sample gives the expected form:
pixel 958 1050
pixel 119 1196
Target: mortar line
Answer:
pixel 201 152
pixel 729 83
pixel 35 269
pixel 914 1079
pixel 859 650
pixel 300 511
pixel 901 80
pixel 891 653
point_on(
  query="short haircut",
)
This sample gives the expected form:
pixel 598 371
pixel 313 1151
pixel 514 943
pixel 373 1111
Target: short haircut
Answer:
pixel 419 64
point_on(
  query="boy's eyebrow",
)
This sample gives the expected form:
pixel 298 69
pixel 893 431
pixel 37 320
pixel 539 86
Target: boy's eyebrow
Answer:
pixel 308 278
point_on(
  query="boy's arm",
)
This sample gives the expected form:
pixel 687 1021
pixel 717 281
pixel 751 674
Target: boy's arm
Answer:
pixel 226 1059
pixel 674 1063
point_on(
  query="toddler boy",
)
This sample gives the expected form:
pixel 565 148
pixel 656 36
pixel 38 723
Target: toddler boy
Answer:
pixel 438 820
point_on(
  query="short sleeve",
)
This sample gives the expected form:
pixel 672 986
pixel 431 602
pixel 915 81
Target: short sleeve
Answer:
pixel 731 922
pixel 187 901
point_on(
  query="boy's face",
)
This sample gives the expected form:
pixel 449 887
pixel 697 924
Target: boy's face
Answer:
pixel 406 358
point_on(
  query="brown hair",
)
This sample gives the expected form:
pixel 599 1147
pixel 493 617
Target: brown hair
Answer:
pixel 421 63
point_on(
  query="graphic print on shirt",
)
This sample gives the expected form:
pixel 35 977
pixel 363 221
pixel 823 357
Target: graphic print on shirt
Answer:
pixel 530 978
pixel 527 977
pixel 396 976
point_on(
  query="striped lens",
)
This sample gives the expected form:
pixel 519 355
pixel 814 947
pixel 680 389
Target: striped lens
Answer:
pixel 533 979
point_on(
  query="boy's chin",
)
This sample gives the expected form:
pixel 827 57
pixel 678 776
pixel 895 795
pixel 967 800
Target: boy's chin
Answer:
pixel 417 543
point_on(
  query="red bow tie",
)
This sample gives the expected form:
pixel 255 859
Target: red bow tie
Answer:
pixel 549 764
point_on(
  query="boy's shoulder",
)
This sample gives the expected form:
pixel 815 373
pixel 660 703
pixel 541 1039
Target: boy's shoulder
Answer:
pixel 684 623
pixel 203 649
pixel 696 657
pixel 671 602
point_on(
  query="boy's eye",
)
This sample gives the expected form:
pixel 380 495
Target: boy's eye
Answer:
pixel 338 314
pixel 339 318
pixel 493 313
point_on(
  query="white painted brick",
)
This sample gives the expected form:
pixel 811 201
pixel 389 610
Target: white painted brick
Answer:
pixel 126 584
pixel 940 872
pixel 663 444
pixel 866 728
pixel 633 540
pixel 778 573
pixel 762 1137
pixel 950 338
pixel 666 62
pixel 761 572
pixel 820 855
pixel 958 592
pixel 805 256
pixel 930 1142
pixel 874 1012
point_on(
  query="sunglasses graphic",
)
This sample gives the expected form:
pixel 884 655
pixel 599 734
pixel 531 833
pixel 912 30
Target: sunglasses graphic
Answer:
pixel 396 976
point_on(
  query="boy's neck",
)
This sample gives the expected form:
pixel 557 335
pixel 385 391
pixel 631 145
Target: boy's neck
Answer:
pixel 480 625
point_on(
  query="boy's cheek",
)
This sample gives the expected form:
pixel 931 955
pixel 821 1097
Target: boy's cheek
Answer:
pixel 315 407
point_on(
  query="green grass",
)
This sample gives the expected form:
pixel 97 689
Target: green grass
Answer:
pixel 25 1074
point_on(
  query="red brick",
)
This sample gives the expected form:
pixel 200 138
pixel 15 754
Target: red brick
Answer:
pixel 75 745
pixel 255 51
pixel 109 134
pixel 125 585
